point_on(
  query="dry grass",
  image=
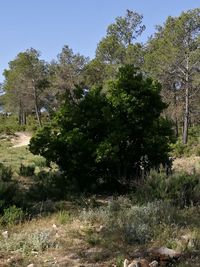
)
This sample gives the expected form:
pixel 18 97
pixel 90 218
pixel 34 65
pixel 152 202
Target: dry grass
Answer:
pixel 80 237
pixel 188 165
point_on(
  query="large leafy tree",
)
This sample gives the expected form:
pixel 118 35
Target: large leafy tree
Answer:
pixel 173 57
pixel 24 84
pixel 107 133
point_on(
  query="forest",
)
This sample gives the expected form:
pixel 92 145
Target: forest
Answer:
pixel 112 170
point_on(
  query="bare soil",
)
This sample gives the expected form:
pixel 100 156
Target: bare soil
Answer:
pixel 21 139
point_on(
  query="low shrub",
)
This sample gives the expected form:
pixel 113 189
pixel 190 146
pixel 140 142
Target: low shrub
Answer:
pixel 27 170
pixel 131 223
pixel 180 189
pixel 48 185
pixel 26 242
pixel 9 188
pixel 5 173
pixel 12 215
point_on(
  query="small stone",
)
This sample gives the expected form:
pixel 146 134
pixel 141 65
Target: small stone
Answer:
pixel 153 264
pixel 31 265
pixel 5 234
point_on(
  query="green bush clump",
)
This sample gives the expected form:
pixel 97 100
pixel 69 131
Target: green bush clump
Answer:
pixel 5 173
pixel 9 125
pixel 27 170
pixel 180 189
pixel 8 188
pixel 48 185
pixel 12 215
pixel 192 147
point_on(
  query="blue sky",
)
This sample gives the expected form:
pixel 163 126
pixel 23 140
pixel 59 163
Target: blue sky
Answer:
pixel 48 25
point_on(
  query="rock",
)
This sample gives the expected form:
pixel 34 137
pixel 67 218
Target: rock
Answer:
pixel 153 264
pixel 31 265
pixel 5 234
pixel 137 263
pixel 187 240
pixel 54 226
pixel 164 254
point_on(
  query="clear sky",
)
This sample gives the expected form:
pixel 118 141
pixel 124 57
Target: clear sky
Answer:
pixel 48 25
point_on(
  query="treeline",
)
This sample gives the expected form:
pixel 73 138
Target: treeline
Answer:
pixel 171 56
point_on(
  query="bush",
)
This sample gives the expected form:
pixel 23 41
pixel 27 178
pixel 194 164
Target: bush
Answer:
pixel 12 215
pixel 8 188
pixel 5 173
pixel 180 189
pixel 133 224
pixel 192 147
pixel 27 170
pixel 48 185
pixel 102 137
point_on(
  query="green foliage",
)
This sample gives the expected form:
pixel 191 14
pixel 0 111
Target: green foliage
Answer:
pixel 192 148
pixel 5 173
pixel 48 185
pixel 8 188
pixel 9 125
pixel 27 170
pixel 102 136
pixel 180 189
pixel 12 216
pixel 63 217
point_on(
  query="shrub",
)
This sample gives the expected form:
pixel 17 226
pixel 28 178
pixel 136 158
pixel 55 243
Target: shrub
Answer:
pixel 12 215
pixel 26 242
pixel 103 135
pixel 180 189
pixel 48 185
pixel 131 223
pixel 5 173
pixel 27 170
pixel 8 188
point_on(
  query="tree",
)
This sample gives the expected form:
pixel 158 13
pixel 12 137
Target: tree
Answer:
pixel 65 74
pixel 128 28
pixel 173 57
pixel 116 47
pixel 106 134
pixel 24 83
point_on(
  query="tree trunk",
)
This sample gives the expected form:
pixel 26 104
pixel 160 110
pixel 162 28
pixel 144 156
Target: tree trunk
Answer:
pixel 22 114
pixel 36 106
pixel 186 114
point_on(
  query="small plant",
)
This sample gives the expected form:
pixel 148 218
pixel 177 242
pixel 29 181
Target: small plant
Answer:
pixel 63 217
pixel 12 215
pixel 27 170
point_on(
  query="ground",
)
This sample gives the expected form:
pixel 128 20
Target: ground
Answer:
pixel 82 232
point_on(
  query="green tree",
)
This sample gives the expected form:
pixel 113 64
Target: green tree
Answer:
pixel 172 56
pixel 106 134
pixel 65 74
pixel 24 83
pixel 117 47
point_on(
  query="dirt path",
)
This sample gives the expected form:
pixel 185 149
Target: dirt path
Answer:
pixel 21 139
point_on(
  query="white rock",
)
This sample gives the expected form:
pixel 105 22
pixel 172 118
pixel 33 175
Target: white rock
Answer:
pixel 153 264
pixel 5 234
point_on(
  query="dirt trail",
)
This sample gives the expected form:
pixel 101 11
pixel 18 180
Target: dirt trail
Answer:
pixel 21 139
